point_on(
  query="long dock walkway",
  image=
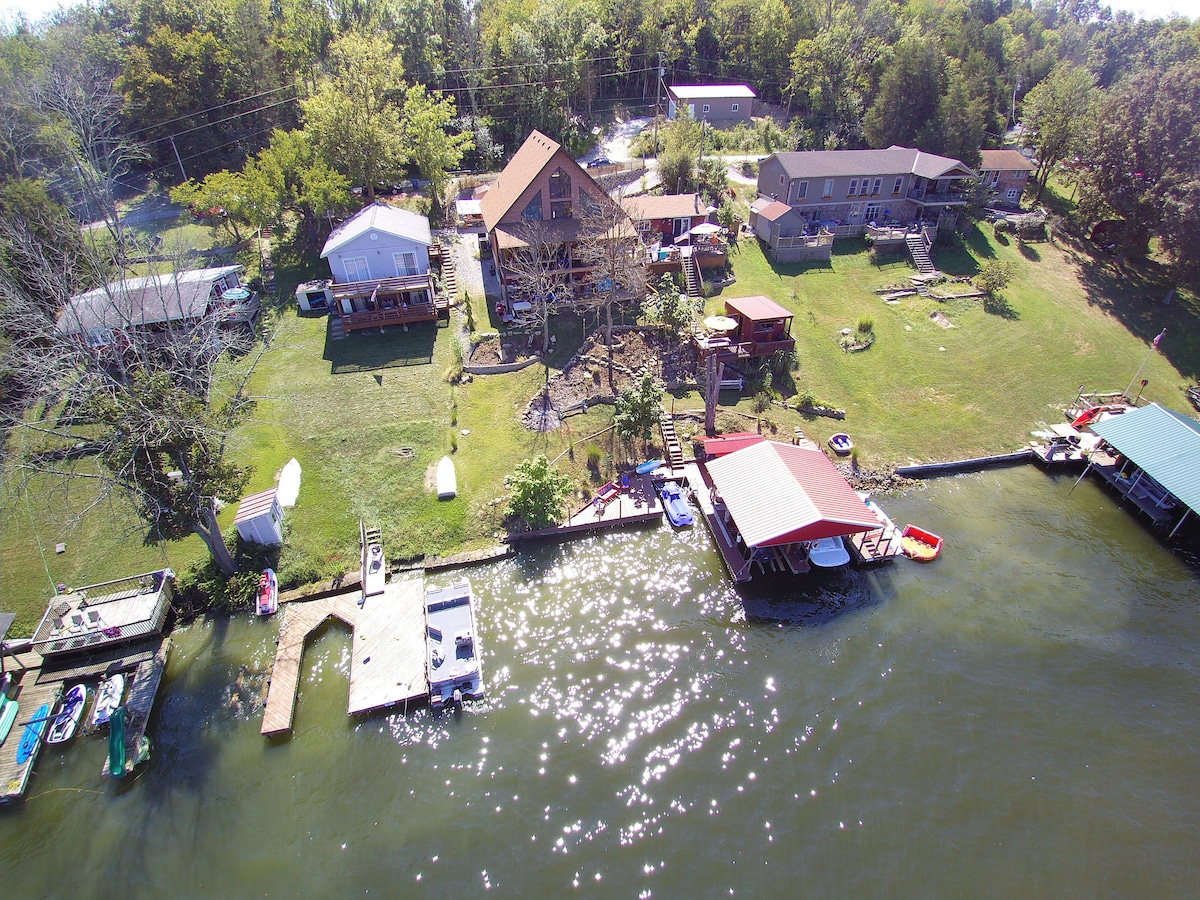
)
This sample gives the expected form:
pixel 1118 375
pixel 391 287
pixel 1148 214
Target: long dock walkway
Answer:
pixel 734 561
pixel 300 619
pixel 146 679
pixel 387 659
pixel 30 694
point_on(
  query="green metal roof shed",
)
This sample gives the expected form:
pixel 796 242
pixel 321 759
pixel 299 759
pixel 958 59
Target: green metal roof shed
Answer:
pixel 1163 443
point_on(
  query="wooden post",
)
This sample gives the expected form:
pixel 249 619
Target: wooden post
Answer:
pixel 712 387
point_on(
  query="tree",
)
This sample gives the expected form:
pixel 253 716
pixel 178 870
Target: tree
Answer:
pixel 610 246
pixel 154 407
pixel 354 117
pixel 1055 115
pixel 222 196
pixel 429 146
pixel 538 492
pixel 669 307
pixel 994 276
pixel 906 110
pixel 536 273
pixel 638 410
pixel 681 147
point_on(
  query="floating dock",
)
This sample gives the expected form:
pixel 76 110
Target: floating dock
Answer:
pixel 31 694
pixel 387 661
pixel 140 699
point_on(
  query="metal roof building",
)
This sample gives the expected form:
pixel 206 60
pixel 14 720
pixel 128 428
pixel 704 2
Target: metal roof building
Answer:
pixel 1162 443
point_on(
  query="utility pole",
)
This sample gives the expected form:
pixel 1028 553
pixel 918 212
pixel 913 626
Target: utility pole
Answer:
pixel 182 171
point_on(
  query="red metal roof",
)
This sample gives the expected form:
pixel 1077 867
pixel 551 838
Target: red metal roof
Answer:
pixel 781 494
pixel 724 444
pixel 757 309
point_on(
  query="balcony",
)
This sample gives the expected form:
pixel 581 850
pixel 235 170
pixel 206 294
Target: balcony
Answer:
pixel 932 198
pixel 401 314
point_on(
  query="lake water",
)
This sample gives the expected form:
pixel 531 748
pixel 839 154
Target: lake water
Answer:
pixel 1018 718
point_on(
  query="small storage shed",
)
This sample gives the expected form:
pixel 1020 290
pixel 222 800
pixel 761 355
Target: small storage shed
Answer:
pixel 315 296
pixel 259 518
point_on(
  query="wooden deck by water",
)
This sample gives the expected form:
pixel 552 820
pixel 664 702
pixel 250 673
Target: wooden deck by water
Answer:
pixel 387 662
pixel 734 561
pixel 140 699
pixel 637 505
pixel 31 694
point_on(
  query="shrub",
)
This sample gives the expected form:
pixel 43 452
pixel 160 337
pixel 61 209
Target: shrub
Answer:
pixel 594 456
pixel 762 401
pixel 866 325
pixel 537 492
pixel 994 276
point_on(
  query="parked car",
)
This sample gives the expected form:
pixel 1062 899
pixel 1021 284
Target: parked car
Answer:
pixel 599 161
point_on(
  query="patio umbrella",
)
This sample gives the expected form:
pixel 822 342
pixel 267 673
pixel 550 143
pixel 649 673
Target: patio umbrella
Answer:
pixel 235 295
pixel 720 323
pixel 705 228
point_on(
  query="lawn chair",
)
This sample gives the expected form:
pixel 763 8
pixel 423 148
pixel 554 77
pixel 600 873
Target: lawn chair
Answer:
pixel 94 619
pixel 77 623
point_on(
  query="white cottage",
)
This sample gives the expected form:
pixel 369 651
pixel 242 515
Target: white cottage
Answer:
pixel 379 259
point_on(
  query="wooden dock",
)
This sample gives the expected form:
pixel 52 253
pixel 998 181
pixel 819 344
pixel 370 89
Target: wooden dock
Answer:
pixel 140 700
pixel 387 660
pixel 31 694
pixel 387 663
pixel 639 504
pixel 299 619
pixel 734 561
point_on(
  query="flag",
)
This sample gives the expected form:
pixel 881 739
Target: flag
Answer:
pixel 1154 343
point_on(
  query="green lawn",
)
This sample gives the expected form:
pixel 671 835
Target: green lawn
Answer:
pixel 369 417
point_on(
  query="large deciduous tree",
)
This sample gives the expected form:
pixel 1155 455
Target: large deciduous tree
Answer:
pixel 1055 116
pixel 429 146
pixel 152 407
pixel 1142 162
pixel 354 117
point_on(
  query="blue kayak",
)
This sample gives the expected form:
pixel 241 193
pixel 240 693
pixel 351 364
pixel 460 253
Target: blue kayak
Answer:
pixel 33 734
pixel 649 466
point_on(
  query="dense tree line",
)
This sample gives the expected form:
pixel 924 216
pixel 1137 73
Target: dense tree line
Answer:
pixel 205 86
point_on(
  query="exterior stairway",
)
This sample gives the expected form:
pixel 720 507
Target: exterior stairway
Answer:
pixel 444 259
pixel 920 254
pixel 336 330
pixel 671 445
pixel 691 272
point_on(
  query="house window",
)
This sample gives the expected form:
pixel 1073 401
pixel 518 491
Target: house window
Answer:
pixel 899 185
pixel 878 184
pixel 872 211
pixel 734 108
pixel 533 212
pixel 560 195
pixel 588 203
pixel 406 263
pixel 1013 194
pixel 682 225
pixel 1020 176
pixel 801 190
pixel 853 187
pixel 356 268
pixel 706 107
pixel 828 192
pixel 992 178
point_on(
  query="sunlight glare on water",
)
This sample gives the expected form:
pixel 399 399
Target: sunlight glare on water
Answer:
pixel 1017 717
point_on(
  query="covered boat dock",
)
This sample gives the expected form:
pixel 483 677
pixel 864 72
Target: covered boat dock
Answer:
pixel 1152 462
pixel 769 499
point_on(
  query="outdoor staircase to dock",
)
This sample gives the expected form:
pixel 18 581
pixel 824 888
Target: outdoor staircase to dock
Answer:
pixel 337 331
pixel 691 273
pixel 671 445
pixel 444 257
pixel 920 254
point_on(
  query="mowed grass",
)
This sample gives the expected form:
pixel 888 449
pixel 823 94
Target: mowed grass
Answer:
pixel 922 391
pixel 369 417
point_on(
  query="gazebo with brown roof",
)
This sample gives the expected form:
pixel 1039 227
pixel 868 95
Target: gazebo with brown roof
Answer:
pixel 764 327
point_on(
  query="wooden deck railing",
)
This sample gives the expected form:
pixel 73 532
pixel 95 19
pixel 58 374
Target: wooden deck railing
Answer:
pixel 399 315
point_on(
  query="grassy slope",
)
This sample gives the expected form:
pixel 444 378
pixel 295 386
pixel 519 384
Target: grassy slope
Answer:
pixel 920 392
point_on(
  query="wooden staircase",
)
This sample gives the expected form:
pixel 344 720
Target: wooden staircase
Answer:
pixel 671 445
pixel 920 254
pixel 444 259
pixel 691 273
pixel 336 330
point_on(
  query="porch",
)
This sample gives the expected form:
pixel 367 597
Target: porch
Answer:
pixel 388 301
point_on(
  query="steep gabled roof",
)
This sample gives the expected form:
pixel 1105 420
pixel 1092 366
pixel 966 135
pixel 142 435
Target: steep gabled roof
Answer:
pixel 382 218
pixel 1004 161
pixel 781 494
pixel 528 162
pixel 892 161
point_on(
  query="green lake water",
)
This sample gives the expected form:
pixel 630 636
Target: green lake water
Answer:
pixel 1019 718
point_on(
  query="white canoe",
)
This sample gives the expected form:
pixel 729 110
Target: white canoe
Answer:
pixel 447 481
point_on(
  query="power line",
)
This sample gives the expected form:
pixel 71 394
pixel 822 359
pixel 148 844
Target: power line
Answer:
pixel 201 112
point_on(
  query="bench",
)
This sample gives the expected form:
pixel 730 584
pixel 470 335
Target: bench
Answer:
pixel 608 493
